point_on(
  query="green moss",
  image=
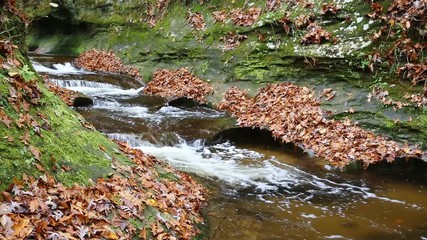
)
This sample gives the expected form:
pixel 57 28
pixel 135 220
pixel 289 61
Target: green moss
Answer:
pixel 69 151
pixel 15 157
pixel 43 8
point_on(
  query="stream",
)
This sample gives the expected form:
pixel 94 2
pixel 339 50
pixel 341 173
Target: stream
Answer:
pixel 257 189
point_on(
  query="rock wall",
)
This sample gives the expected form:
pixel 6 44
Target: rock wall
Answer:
pixel 319 44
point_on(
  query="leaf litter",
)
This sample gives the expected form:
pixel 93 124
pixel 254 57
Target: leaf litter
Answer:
pixel 104 61
pixel 179 83
pixel 293 115
pixel 134 202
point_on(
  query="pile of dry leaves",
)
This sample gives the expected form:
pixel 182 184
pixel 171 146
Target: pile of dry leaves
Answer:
pixel 300 22
pixel 272 5
pixel 11 6
pixel 137 202
pixel 293 115
pixel 330 9
pixel 383 96
pixel 417 73
pixel 179 83
pixel 418 99
pixel 196 21
pixel 316 35
pixel 101 60
pixel 7 47
pixel 145 200
pixel 232 40
pixel 239 16
pixel 220 16
pixel 245 18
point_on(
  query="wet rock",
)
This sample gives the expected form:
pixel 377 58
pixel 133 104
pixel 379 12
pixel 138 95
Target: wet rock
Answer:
pixel 155 102
pixel 82 101
pixel 244 135
pixel 183 102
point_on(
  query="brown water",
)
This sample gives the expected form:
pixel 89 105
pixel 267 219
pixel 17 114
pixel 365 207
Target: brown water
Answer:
pixel 258 190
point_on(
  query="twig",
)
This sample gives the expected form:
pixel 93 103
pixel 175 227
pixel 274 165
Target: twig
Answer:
pixel 7 31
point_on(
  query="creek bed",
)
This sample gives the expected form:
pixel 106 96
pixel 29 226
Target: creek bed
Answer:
pixel 258 190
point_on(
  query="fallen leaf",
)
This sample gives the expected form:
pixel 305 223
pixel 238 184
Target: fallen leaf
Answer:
pixel 35 151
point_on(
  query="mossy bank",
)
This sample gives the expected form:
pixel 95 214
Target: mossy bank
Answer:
pixel 40 133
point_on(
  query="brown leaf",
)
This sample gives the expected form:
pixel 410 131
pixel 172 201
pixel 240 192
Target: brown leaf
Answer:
pixel 25 139
pixel 40 167
pixel 102 148
pixel 6 196
pixel 35 151
pixel 34 205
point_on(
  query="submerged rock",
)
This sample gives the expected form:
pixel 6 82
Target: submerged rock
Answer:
pixel 71 98
pixel 82 101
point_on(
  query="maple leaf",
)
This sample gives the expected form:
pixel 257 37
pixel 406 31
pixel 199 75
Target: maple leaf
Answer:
pixel 20 228
pixel 109 233
pixel 82 232
pixel 34 205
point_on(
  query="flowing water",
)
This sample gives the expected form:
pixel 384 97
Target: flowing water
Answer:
pixel 258 190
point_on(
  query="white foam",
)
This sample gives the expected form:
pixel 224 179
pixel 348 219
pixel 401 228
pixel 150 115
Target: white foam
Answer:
pixel 129 111
pixel 169 111
pixel 188 158
pixel 107 91
pixel 246 168
pixel 335 237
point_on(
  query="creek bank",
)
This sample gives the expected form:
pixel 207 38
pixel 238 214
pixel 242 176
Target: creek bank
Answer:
pixel 50 155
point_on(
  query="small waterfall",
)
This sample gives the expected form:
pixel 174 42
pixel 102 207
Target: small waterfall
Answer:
pixel 58 69
pixel 96 89
pixel 82 84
